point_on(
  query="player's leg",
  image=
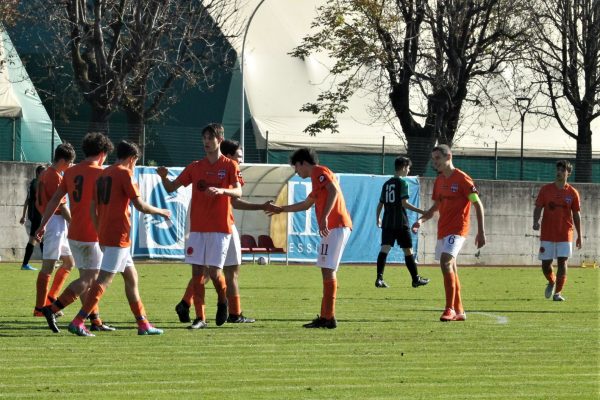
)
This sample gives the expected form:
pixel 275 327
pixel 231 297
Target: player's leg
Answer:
pixel 130 277
pixel 546 256
pixel 94 294
pixel 447 250
pixel 330 255
pixel 183 307
pixel 35 224
pixel 387 241
pixel 199 289
pixel 405 241
pixel 218 280
pixel 52 251
pixel 563 252
pixel 231 270
pixel 64 270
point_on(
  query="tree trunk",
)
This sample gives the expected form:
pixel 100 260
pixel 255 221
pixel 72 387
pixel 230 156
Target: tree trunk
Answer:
pixel 99 121
pixel 419 150
pixel 135 129
pixel 583 162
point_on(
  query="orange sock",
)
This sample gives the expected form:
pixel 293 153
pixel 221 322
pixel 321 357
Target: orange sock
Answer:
pixel 234 305
pixel 41 289
pixel 67 297
pixel 560 282
pixel 139 312
pixel 450 287
pixel 550 276
pixel 221 288
pixel 199 292
pixel 188 296
pixel 458 307
pixel 92 299
pixel 328 301
pixel 59 279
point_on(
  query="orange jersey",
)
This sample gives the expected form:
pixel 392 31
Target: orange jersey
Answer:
pixel 559 204
pixel 452 196
pixel 79 182
pixel 210 213
pixel 48 182
pixel 338 217
pixel 113 191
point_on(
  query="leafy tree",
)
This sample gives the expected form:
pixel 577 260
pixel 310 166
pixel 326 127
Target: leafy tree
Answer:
pixel 132 54
pixel 565 57
pixel 8 17
pixel 426 58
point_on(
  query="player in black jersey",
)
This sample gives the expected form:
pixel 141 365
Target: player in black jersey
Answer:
pixel 395 226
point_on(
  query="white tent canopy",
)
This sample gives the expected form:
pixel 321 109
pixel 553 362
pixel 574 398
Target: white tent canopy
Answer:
pixel 9 105
pixel 277 85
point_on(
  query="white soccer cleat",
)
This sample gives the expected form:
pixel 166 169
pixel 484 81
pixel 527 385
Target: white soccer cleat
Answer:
pixel 549 290
pixel 558 297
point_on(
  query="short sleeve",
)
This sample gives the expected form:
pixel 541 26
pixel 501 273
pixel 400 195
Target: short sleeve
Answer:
pixel 468 186
pixel 575 204
pixel 130 187
pixel 185 178
pixel 235 174
pixel 321 179
pixel 403 189
pixel 540 201
pixel 382 195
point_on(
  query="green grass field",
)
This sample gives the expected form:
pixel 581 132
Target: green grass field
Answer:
pixel 389 343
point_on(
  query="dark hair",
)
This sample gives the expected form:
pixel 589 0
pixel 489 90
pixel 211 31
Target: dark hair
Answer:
pixel 442 148
pixel 95 143
pixel 39 169
pixel 126 149
pixel 215 130
pixel 564 164
pixel 64 151
pixel 229 147
pixel 402 162
pixel 304 154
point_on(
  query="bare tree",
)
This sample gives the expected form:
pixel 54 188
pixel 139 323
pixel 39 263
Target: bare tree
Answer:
pixel 565 57
pixel 131 54
pixel 425 56
pixel 8 17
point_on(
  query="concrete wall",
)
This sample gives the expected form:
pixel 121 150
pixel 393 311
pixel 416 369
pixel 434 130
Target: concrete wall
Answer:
pixel 508 216
pixel 508 223
pixel 14 181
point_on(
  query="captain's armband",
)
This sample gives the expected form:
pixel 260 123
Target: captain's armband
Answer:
pixel 474 198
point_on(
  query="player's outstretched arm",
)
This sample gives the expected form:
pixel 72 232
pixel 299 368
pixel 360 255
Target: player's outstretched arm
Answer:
pixel 300 206
pixel 170 186
pixel 426 216
pixel 409 206
pixel 234 192
pixel 146 208
pixel 240 204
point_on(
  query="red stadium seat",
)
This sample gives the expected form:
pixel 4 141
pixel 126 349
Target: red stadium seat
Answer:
pixel 265 241
pixel 249 246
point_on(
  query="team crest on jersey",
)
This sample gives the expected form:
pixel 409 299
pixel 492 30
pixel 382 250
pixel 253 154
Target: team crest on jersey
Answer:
pixel 322 178
pixel 221 174
pixel 454 188
pixel 568 199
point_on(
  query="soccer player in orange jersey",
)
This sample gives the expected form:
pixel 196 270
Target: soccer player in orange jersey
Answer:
pixel 113 193
pixel 453 194
pixel 56 245
pixel 78 183
pixel 560 202
pixel 335 226
pixel 214 180
pixel 230 149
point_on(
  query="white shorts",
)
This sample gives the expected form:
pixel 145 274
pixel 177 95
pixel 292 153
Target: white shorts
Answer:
pixel 56 244
pixel 332 247
pixel 552 250
pixel 87 255
pixel 116 259
pixel 450 244
pixel 234 251
pixel 207 248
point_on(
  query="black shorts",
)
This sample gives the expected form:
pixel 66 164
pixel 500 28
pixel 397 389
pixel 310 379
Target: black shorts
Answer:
pixel 391 236
pixel 35 224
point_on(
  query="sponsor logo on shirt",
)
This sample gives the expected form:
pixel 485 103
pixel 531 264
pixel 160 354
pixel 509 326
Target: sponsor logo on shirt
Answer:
pixel 221 174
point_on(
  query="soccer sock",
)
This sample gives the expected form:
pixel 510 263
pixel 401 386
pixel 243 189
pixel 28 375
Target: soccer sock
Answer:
pixel 550 276
pixel 94 316
pixel 43 280
pixel 328 302
pixel 59 279
pixel 221 288
pixel 199 289
pixel 42 247
pixel 411 265
pixel 560 282
pixel 234 305
pixel 92 299
pixel 449 286
pixel 458 307
pixel 139 312
pixel 28 253
pixel 381 258
pixel 188 296
pixel 67 297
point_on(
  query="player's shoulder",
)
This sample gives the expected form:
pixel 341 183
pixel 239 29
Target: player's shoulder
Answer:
pixel 572 189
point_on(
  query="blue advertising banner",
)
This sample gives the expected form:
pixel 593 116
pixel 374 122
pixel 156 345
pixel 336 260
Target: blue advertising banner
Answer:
pixel 153 236
pixel 362 196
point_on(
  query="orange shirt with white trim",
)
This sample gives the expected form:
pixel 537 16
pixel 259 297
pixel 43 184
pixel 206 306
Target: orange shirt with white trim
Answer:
pixel 338 217
pixel 210 213
pixel 559 204
pixel 113 192
pixel 452 195
pixel 48 182
pixel 79 182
